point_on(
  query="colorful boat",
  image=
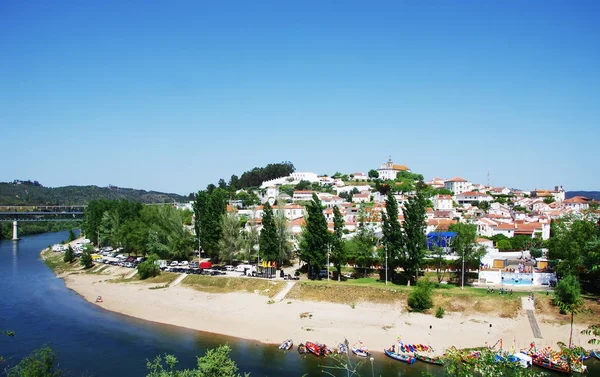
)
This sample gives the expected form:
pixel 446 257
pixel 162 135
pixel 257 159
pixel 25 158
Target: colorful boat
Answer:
pixel 361 351
pixel 436 360
pixel 286 345
pixel 313 348
pixel 400 357
pixel 341 348
pixel 546 364
pixel 471 357
pixel 302 348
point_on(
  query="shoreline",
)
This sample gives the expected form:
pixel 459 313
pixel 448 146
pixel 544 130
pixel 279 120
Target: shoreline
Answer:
pixel 255 317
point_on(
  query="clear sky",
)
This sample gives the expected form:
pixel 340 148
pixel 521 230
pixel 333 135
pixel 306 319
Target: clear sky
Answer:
pixel 173 95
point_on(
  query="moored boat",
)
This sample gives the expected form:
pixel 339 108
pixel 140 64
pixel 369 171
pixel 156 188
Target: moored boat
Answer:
pixel 436 360
pixel 596 354
pixel 302 348
pixel 361 351
pixel 341 348
pixel 313 348
pixel 286 345
pixel 400 357
pixel 546 364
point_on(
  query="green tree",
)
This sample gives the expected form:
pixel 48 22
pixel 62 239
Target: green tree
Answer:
pixel 267 242
pixel 41 363
pixel 284 247
pixel 148 268
pixel 72 235
pixel 215 363
pixel 86 257
pixel 592 330
pixel 374 174
pixel 567 296
pixel 535 253
pixel 231 241
pixel 303 185
pixel 415 240
pixel 315 236
pixel 549 200
pixel 465 246
pixel 503 245
pixel 69 256
pixel 337 249
pixel 393 238
pixel 208 208
pixel 570 243
pixel 419 298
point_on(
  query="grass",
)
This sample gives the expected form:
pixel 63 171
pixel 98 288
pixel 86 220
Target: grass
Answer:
pixel 349 292
pixel 544 306
pixel 220 284
pixel 56 263
pixel 164 278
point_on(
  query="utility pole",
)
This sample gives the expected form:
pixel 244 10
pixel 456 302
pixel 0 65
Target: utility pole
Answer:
pixel 462 283
pixel 386 267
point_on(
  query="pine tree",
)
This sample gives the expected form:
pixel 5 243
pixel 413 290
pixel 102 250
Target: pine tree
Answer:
pixel 415 240
pixel 393 238
pixel 315 237
pixel 267 241
pixel 69 255
pixel 338 251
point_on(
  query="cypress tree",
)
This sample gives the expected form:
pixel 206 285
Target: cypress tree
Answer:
pixel 393 238
pixel 315 237
pixel 267 241
pixel 415 240
pixel 338 251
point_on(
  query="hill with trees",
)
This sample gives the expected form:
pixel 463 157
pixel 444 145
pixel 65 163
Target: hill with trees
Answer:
pixel 33 193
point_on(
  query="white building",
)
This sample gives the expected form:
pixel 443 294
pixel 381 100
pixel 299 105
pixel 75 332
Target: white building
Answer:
pixel 442 203
pixel 577 203
pixel 458 185
pixel 292 179
pixel 302 195
pixel 469 197
pixel 389 170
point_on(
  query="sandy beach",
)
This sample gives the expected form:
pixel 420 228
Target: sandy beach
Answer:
pixel 252 316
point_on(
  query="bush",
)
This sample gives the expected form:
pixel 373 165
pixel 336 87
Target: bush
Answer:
pixel 69 255
pixel 86 259
pixel 419 299
pixel 148 269
pixel 535 253
pixel 439 313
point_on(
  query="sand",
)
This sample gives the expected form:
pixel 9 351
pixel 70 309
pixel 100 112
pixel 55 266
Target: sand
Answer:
pixel 251 316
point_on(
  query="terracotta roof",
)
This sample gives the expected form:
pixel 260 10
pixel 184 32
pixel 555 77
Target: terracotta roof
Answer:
pixel 303 192
pixel 504 226
pixel 472 193
pixel 299 221
pixel 400 167
pixel 445 197
pixel 456 179
pixel 293 206
pixel 578 200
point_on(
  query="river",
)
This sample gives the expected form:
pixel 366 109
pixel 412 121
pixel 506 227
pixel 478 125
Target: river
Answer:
pixel 89 340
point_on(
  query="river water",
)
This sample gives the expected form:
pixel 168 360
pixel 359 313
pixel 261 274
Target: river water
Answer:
pixel 94 342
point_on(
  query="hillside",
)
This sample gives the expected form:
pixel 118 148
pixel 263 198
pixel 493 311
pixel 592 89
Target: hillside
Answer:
pixel 25 194
pixel 589 194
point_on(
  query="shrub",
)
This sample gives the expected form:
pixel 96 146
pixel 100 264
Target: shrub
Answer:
pixel 69 255
pixel 148 269
pixel 419 299
pixel 86 259
pixel 439 313
pixel 535 253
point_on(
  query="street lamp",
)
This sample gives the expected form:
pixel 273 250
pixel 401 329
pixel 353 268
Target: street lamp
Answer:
pixel 462 282
pixel 386 267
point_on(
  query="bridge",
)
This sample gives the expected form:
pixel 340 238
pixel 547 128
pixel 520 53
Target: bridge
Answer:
pixel 39 213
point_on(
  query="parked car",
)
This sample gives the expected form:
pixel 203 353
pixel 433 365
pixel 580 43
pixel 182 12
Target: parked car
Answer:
pixel 194 265
pixel 184 263
pixel 174 263
pixel 229 268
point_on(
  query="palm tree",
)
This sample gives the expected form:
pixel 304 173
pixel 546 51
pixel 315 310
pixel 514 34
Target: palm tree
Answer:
pixel 567 297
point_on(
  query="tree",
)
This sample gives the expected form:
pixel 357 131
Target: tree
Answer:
pixel 284 247
pixel 69 255
pixel 303 185
pixel 504 245
pixel 86 257
pixel 41 363
pixel 208 208
pixel 592 330
pixel 250 238
pixel 569 242
pixel 71 235
pixel 374 174
pixel 267 242
pixel 315 236
pixel 464 245
pixel 567 296
pixel 419 299
pixel 230 242
pixel 415 240
pixel 549 200
pixel 393 238
pixel 148 268
pixel 215 363
pixel 535 253
pixel 337 249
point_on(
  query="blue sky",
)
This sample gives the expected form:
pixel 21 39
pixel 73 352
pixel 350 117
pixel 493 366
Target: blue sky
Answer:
pixel 174 95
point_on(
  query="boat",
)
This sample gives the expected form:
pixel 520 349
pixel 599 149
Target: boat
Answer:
pixel 313 348
pixel 471 357
pixel 596 354
pixel 436 360
pixel 302 348
pixel 361 351
pixel 400 357
pixel 341 348
pixel 546 364
pixel 286 345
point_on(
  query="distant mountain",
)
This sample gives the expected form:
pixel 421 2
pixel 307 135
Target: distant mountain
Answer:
pixel 24 193
pixel 589 194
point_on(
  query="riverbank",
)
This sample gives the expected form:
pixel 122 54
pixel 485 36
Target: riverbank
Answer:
pixel 254 315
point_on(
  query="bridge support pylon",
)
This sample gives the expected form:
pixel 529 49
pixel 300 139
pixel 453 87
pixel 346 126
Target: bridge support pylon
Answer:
pixel 15 231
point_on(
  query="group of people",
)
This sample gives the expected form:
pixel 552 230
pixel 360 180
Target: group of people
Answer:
pixel 501 291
